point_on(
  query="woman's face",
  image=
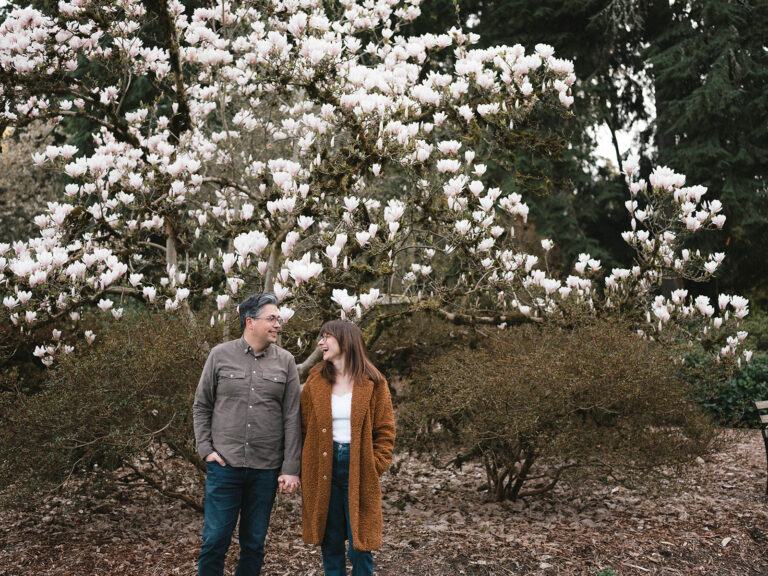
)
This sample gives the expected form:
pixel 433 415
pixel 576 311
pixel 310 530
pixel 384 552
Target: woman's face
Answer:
pixel 330 347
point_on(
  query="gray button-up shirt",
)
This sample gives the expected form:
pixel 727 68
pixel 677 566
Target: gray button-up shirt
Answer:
pixel 247 407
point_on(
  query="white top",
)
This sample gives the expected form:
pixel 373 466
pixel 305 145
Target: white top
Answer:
pixel 341 410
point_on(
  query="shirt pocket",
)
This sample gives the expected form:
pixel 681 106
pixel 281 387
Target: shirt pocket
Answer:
pixel 231 381
pixel 273 382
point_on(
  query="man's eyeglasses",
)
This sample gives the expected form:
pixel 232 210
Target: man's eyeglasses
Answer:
pixel 270 319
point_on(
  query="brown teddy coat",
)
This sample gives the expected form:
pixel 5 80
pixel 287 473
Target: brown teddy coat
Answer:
pixel 373 439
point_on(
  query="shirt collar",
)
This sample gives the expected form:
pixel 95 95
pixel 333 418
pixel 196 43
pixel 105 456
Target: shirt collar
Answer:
pixel 246 348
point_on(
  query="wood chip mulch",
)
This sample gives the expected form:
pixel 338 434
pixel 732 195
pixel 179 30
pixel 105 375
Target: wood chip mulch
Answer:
pixel 712 521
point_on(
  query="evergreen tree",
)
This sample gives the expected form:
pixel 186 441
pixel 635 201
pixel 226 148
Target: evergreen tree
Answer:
pixel 709 63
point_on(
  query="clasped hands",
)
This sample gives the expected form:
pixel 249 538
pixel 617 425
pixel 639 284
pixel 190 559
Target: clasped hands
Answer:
pixel 286 483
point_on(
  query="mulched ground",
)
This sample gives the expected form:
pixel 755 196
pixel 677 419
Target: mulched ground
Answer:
pixel 713 521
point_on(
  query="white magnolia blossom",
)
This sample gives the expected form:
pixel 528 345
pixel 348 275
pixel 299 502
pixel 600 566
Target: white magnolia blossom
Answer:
pixel 290 131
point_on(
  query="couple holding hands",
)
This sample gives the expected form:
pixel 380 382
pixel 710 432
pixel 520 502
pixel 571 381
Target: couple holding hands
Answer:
pixel 251 421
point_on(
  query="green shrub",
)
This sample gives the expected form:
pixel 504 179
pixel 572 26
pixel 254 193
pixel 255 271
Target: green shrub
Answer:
pixel 756 324
pixel 125 401
pixel 591 396
pixel 729 398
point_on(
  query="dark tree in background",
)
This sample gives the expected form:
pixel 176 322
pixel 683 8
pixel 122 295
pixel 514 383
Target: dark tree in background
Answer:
pixel 709 64
pixel 689 77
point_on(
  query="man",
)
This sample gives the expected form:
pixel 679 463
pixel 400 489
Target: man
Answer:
pixel 248 431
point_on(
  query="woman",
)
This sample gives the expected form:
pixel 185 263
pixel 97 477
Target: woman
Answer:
pixel 349 433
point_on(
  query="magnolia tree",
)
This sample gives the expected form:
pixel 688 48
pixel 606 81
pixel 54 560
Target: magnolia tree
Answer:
pixel 318 151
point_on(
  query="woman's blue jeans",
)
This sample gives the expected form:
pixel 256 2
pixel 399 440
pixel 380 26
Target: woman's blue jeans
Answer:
pixel 337 527
pixel 230 492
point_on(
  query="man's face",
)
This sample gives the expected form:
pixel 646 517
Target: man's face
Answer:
pixel 265 329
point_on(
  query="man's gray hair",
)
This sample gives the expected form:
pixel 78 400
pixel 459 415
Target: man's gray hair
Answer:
pixel 251 306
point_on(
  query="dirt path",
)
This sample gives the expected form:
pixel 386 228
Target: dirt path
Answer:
pixel 713 522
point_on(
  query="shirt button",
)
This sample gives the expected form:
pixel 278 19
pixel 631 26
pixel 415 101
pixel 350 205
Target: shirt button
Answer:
pixel 323 430
pixel 254 371
pixel 246 443
pixel 325 453
pixel 249 425
pixel 275 378
pixel 251 389
pixel 325 477
pixel 231 375
pixel 250 406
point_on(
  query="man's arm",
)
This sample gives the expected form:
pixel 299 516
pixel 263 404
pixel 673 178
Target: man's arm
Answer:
pixel 202 408
pixel 291 430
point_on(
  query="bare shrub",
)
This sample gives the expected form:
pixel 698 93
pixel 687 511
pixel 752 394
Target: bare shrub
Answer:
pixel 124 403
pixel 591 396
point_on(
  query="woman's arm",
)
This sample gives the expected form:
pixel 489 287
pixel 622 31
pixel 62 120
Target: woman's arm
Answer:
pixel 306 407
pixel 383 427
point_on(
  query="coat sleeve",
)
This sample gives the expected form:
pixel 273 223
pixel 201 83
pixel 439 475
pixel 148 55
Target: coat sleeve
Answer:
pixel 383 428
pixel 306 406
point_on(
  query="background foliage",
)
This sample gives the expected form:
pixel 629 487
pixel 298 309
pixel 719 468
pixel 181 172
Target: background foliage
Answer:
pixel 541 400
pixel 126 401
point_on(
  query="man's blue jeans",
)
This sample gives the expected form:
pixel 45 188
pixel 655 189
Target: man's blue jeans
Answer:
pixel 230 492
pixel 337 527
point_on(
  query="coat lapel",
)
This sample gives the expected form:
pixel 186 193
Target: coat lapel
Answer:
pixel 321 400
pixel 361 399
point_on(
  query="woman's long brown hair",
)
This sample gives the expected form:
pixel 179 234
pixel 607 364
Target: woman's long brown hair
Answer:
pixel 352 346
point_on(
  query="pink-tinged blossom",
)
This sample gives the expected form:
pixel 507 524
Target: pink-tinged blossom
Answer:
pixel 333 252
pixel 304 270
pixel 466 113
pixel 285 313
pixel 718 220
pixel 703 306
pixel 393 211
pixel 463 226
pixel 281 291
pixel 351 203
pixel 305 222
pixel 485 244
pixel 344 300
pixel 710 267
pixel 234 284
pixel 449 165
pixel 449 147
pixel 740 306
pixel 369 299
pixel 341 240
pixel 666 178
pixel 678 296
pixel 149 293
pixel 289 243
pixel 476 187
